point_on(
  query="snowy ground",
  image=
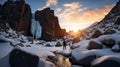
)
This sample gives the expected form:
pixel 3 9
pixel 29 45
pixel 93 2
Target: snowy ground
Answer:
pixel 38 48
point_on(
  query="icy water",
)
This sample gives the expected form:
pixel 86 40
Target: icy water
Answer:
pixel 63 61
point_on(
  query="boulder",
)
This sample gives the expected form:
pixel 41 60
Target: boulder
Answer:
pixel 48 45
pixel 58 44
pixel 117 21
pixel 50 24
pixel 118 42
pixel 1 10
pixel 94 45
pixel 19 58
pixel 18 15
pixel 108 42
pixel 75 40
pixel 116 48
pixel 3 39
pixel 85 62
pixel 106 62
pixel 73 61
pixel 96 34
pixel 109 32
pixel 52 59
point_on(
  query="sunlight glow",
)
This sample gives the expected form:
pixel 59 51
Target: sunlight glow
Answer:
pixel 75 29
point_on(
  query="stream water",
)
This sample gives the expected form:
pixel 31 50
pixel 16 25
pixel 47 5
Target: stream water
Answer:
pixel 59 60
pixel 63 61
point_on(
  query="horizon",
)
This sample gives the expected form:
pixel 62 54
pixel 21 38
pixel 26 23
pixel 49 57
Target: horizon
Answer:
pixel 74 14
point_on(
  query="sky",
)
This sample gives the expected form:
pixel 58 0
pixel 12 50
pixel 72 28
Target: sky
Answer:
pixel 74 14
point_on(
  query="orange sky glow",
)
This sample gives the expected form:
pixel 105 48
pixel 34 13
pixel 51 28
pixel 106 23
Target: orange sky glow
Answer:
pixel 75 17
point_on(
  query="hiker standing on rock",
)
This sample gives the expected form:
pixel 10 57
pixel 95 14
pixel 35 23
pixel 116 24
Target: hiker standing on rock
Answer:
pixel 64 45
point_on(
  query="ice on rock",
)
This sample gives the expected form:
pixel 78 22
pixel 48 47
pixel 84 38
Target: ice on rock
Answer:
pixel 36 29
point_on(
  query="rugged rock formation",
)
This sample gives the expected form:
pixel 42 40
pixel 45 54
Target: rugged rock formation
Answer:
pixel 106 61
pixel 1 10
pixel 1 13
pixel 113 15
pixel 109 24
pixel 85 62
pixel 94 45
pixel 109 32
pixel 18 15
pixel 50 24
pixel 108 42
pixel 96 34
pixel 58 44
pixel 19 58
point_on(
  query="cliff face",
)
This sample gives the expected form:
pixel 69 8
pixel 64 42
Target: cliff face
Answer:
pixel 1 10
pixel 1 14
pixel 111 20
pixel 50 24
pixel 18 15
pixel 110 23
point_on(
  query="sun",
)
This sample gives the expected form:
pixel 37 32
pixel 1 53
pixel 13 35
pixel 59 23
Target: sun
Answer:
pixel 75 29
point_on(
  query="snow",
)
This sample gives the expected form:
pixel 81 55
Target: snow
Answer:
pixel 11 31
pixel 36 29
pixel 2 38
pixel 113 36
pixel 42 52
pixel 82 51
pixel 5 49
pixel 83 45
pixel 98 52
pixel 38 47
pixel 106 57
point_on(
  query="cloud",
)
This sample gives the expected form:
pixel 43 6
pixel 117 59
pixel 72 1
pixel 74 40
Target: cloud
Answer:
pixel 73 5
pixel 95 15
pixel 58 10
pixel 51 2
pixel 75 16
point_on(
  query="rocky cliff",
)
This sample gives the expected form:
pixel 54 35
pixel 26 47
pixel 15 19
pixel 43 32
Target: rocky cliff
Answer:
pixel 108 25
pixel 17 14
pixel 50 24
pixel 1 13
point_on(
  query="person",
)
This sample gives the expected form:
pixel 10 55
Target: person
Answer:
pixel 64 45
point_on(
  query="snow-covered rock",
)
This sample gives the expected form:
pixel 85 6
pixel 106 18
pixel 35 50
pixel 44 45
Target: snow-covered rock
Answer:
pixel 107 61
pixel 3 39
pixel 19 58
pixel 94 45
pixel 108 42
pixel 116 48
